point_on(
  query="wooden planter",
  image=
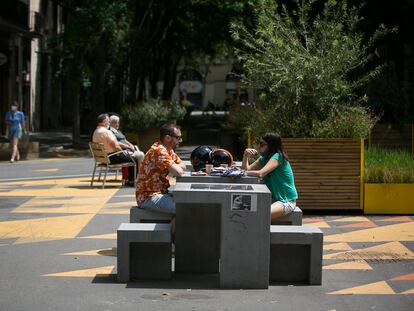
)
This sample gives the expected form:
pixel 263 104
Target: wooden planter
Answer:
pixel 327 172
pixel 388 198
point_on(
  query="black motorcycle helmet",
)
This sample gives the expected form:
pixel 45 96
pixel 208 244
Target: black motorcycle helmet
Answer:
pixel 221 156
pixel 201 156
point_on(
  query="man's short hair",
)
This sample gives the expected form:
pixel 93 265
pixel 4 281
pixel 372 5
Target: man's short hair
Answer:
pixel 168 129
pixel 113 118
pixel 102 117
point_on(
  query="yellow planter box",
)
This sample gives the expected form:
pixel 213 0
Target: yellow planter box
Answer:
pixel 389 198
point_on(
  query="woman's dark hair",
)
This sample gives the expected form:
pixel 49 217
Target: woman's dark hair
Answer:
pixel 274 145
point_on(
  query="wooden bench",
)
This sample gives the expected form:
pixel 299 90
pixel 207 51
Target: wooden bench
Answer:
pixel 296 254
pixel 102 161
pixel 144 251
pixel 294 218
pixel 141 215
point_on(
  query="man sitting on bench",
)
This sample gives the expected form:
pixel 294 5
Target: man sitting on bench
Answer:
pixel 159 164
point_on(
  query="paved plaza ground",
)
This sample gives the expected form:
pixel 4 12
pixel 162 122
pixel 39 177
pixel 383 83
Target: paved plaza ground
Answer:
pixel 58 252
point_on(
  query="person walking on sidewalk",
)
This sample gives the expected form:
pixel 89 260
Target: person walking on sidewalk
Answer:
pixel 16 124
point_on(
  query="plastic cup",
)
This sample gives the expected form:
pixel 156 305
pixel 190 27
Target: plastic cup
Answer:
pixel 209 168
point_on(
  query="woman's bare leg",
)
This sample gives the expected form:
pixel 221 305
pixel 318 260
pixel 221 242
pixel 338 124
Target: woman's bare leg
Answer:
pixel 15 151
pixel 276 211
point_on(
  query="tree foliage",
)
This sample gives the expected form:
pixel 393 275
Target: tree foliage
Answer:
pixel 309 66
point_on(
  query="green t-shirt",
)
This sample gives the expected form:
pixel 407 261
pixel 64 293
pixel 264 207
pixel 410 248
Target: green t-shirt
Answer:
pixel 280 181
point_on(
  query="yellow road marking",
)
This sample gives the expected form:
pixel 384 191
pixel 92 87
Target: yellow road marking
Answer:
pixel 319 224
pixel 44 228
pixel 337 247
pixel 397 232
pixel 389 251
pixel 353 265
pixel 352 219
pixel 109 236
pixel 85 273
pixel 410 291
pixel 377 288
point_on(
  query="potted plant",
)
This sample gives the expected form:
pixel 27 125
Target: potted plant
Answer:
pixel 144 119
pixel 388 182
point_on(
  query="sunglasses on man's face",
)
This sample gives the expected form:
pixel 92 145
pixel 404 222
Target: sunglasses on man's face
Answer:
pixel 179 138
pixel 262 144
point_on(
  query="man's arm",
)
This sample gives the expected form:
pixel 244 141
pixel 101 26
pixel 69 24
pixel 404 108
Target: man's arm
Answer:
pixel 124 145
pixel 176 170
pixel 113 141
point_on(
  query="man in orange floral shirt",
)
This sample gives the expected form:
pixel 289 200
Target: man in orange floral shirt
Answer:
pixel 160 162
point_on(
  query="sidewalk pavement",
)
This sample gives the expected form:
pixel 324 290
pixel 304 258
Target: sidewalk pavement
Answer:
pixel 58 252
pixel 59 144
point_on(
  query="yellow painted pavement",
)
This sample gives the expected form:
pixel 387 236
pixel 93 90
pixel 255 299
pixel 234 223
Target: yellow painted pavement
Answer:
pixel 75 197
pixel 353 265
pixel 46 170
pixel 376 288
pixel 84 201
pixel 34 230
pixel 396 232
pixel 319 224
pixel 388 251
pixel 337 247
pixel 92 272
pixel 109 236
pixel 352 219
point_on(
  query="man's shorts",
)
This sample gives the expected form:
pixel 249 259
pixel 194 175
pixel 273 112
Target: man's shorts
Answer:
pixel 163 203
pixel 288 207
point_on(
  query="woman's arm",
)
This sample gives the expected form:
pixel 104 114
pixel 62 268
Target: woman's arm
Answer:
pixel 269 167
pixel 250 152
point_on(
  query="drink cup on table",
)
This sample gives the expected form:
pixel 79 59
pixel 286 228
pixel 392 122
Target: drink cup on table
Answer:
pixel 209 168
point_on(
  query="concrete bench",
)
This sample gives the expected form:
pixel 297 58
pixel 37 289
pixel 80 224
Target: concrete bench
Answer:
pixel 294 218
pixel 141 215
pixel 296 254
pixel 144 251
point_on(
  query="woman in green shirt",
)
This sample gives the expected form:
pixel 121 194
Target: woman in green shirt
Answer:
pixel 274 167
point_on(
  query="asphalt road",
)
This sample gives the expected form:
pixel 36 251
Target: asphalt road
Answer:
pixel 45 169
pixel 58 252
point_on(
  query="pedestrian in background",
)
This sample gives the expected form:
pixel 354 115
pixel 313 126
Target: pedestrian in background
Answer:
pixel 16 124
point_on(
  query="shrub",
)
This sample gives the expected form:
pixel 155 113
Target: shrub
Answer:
pixel 151 113
pixel 310 68
pixel 388 166
pixel 345 122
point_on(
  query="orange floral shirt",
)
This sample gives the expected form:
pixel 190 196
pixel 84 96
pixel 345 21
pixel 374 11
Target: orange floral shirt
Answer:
pixel 153 172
